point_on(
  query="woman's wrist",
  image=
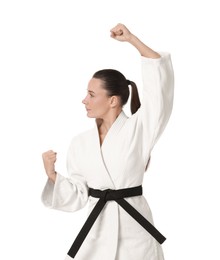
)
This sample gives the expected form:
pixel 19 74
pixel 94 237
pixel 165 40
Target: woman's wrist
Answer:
pixel 52 176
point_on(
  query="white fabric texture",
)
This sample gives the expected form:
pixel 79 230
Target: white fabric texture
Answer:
pixel 118 163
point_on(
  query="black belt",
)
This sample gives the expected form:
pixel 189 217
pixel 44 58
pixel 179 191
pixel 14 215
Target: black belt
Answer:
pixel 118 196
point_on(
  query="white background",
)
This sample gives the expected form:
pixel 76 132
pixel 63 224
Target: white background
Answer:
pixel 48 52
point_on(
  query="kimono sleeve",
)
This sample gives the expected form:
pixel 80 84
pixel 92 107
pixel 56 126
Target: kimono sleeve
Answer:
pixel 157 99
pixel 67 194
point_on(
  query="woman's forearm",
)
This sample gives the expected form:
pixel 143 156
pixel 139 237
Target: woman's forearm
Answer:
pixel 121 33
pixel 143 49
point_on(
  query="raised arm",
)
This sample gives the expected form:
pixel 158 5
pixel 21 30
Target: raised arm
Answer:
pixel 121 33
pixel 158 90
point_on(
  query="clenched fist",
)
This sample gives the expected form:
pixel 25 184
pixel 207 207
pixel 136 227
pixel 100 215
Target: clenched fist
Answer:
pixel 121 33
pixel 49 159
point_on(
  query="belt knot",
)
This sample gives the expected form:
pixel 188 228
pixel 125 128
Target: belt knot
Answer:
pixel 106 195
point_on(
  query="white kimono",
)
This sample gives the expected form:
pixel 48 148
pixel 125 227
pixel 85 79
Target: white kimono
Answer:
pixel 120 162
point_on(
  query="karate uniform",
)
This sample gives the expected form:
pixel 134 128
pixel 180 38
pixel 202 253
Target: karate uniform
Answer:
pixel 118 163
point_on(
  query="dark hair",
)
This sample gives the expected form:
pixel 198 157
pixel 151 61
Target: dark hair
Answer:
pixel 117 85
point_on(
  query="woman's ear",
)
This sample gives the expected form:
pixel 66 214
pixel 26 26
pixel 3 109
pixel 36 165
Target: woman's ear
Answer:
pixel 115 101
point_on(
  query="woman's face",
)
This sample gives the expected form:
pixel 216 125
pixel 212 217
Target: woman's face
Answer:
pixel 97 102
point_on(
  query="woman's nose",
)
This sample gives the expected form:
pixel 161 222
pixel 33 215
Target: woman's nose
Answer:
pixel 84 101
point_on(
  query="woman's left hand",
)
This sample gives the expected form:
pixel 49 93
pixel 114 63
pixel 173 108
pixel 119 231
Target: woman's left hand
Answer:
pixel 121 33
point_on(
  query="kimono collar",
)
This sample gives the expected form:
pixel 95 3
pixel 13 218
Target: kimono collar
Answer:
pixel 113 130
pixel 119 121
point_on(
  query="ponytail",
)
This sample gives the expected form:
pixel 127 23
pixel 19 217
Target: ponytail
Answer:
pixel 135 100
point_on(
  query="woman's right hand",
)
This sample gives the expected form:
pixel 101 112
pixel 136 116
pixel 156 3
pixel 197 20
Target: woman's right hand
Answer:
pixel 49 159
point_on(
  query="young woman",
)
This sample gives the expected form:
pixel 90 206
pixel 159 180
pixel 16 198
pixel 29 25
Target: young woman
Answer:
pixel 106 164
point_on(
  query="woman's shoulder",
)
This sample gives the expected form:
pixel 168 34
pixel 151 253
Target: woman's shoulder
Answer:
pixel 82 136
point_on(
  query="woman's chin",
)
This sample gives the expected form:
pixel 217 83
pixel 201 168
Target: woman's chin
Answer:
pixel 89 115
